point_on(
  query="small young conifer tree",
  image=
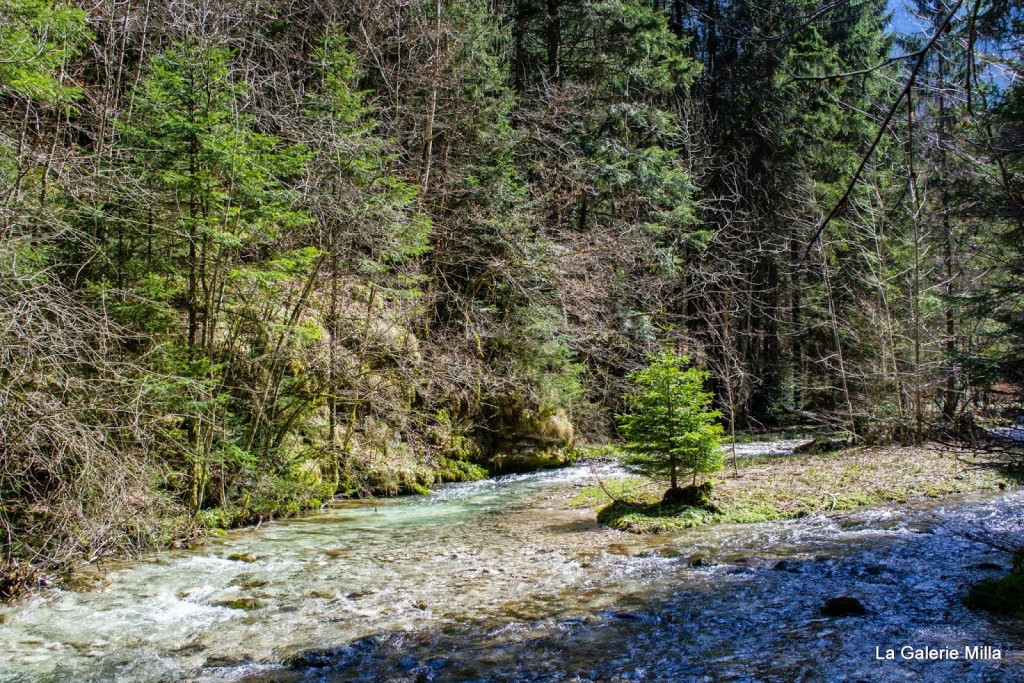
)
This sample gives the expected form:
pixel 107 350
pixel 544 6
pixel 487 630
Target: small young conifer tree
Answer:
pixel 671 430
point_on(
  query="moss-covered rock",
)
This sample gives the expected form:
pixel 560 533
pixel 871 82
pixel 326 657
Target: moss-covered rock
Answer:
pixel 652 518
pixel 242 557
pixel 529 441
pixel 241 602
pixel 248 582
pixel 1003 595
pixel 525 457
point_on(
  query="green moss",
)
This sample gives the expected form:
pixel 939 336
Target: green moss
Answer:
pixel 242 557
pixel 772 488
pixel 218 518
pixel 248 582
pixel 658 518
pixel 417 488
pixel 533 460
pixel 651 519
pixel 460 470
pixel 999 596
pixel 599 451
pixel 753 511
pixel 243 603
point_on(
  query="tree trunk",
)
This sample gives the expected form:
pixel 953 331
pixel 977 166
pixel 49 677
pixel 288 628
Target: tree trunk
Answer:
pixel 554 41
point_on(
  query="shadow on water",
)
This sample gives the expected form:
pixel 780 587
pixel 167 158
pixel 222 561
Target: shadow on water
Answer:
pixel 579 526
pixel 499 581
pixel 733 617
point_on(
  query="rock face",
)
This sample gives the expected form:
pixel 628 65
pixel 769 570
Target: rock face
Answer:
pixel 843 607
pixel 530 443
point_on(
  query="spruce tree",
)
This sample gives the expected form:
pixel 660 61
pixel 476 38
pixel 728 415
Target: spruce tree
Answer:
pixel 671 430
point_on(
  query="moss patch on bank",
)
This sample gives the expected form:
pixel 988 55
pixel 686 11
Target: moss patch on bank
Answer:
pixel 1004 595
pixel 771 488
pixel 279 497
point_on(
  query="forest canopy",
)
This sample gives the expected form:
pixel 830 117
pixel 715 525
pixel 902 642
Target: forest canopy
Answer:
pixel 256 255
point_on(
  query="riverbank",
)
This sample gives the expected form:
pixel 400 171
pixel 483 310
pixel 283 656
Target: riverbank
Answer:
pixel 162 521
pixel 773 488
pixel 499 580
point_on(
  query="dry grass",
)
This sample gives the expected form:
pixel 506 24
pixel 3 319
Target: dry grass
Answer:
pixel 785 487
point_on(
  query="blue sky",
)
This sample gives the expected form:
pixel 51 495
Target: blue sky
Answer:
pixel 901 19
pixel 904 22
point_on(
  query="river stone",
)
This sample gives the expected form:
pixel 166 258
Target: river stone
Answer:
pixel 989 566
pixel 224 661
pixel 84 578
pixel 698 561
pixel 334 657
pixel 437 663
pixel 243 602
pixel 242 557
pixel 843 607
pixel 626 616
pixel 248 582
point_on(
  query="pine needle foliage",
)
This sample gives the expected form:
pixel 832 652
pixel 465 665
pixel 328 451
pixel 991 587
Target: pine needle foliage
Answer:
pixel 671 430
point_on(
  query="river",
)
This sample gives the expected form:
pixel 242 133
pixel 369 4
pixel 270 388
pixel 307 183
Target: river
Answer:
pixel 499 581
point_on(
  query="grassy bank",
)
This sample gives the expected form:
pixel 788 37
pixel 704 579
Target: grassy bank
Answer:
pixel 762 489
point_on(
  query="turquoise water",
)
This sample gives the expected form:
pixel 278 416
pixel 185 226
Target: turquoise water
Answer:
pixel 500 581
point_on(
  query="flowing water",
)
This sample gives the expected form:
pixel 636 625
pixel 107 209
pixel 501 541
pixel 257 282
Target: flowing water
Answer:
pixel 499 581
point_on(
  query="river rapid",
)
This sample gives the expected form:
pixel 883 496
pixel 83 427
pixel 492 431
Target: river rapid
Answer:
pixel 500 581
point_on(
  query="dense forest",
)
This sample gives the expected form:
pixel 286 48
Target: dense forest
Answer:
pixel 254 255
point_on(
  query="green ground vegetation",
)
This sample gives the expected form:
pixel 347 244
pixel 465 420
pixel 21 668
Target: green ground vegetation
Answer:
pixel 771 488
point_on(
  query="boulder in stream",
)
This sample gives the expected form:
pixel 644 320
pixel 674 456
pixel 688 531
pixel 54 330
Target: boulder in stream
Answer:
pixel 843 607
pixel 242 602
pixel 333 657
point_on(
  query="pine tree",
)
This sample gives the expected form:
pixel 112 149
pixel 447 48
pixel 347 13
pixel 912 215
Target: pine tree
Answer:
pixel 671 431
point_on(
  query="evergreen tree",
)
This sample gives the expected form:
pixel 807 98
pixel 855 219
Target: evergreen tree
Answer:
pixel 216 207
pixel 36 40
pixel 672 430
